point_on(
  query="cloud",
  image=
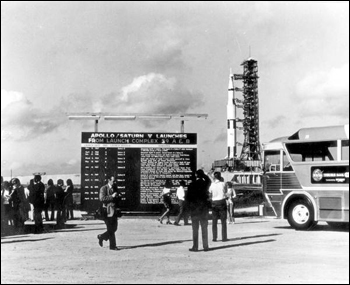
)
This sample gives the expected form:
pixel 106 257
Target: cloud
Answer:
pixel 154 93
pixel 325 93
pixel 164 48
pixel 150 93
pixel 21 119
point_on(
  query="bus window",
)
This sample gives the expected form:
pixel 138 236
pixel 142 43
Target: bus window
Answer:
pixel 286 163
pixel 312 151
pixel 272 161
pixel 345 150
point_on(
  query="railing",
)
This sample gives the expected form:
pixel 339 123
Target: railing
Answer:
pixel 247 178
pixel 223 163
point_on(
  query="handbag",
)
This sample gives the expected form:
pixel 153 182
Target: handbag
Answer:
pixel 101 212
pixel 119 213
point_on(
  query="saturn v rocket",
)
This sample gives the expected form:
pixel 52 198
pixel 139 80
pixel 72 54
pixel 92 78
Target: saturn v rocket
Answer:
pixel 231 121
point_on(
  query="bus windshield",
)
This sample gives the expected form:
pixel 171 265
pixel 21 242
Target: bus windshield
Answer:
pixel 312 151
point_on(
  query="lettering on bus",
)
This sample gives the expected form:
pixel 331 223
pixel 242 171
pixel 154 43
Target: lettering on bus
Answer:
pixel 329 174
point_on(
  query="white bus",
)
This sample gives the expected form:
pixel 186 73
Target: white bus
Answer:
pixel 306 177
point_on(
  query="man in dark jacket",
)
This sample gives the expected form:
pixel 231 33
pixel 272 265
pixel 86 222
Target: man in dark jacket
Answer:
pixel 198 198
pixel 109 199
pixel 38 201
pixel 60 220
pixel 50 200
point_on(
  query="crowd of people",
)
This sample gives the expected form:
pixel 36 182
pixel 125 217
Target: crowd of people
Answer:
pixel 37 201
pixel 205 192
pixel 34 202
pixel 202 194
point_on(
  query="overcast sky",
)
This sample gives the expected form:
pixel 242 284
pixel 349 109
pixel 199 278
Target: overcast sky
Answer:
pixel 163 57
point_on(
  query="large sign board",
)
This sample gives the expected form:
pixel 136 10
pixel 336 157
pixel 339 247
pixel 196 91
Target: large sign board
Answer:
pixel 140 162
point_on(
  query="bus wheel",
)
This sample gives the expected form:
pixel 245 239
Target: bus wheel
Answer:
pixel 301 215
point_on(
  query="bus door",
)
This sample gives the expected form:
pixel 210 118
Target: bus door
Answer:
pixel 272 182
pixel 279 179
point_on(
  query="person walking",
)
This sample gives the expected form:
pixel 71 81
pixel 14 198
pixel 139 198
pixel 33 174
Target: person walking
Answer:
pixel 217 192
pixel 231 195
pixel 109 199
pixel 166 194
pixel 198 199
pixel 181 196
pixel 69 199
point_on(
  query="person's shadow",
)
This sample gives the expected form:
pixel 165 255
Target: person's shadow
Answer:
pixel 153 244
pixel 240 244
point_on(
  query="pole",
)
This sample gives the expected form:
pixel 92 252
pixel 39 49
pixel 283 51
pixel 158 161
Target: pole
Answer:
pixel 96 126
pixel 182 126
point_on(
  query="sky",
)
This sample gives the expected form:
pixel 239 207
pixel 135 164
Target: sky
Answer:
pixel 164 58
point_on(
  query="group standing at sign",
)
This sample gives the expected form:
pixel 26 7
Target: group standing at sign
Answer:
pixel 195 200
pixel 33 203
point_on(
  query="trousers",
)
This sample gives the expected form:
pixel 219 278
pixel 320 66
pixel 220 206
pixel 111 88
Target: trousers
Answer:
pixel 219 210
pixel 201 220
pixel 183 212
pixel 112 226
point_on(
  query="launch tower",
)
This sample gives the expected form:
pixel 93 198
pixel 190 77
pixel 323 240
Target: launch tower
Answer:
pixel 251 153
pixel 250 157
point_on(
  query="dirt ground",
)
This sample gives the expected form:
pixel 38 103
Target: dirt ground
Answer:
pixel 259 250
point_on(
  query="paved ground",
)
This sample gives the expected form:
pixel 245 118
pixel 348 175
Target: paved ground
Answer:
pixel 259 251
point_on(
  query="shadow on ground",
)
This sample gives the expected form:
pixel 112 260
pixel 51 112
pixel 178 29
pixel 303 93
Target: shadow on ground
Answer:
pixel 48 228
pixel 322 228
pixel 153 244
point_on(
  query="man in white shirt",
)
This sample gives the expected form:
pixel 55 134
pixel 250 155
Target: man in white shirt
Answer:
pixel 181 195
pixel 217 192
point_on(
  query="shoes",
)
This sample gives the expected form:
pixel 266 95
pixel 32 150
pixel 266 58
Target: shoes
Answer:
pixel 206 249
pixel 100 240
pixel 214 240
pixel 176 224
pixel 193 249
pixel 114 248
pixel 169 223
pixel 224 240
pixel 187 224
pixel 159 220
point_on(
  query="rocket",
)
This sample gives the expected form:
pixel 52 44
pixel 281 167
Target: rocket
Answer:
pixel 231 121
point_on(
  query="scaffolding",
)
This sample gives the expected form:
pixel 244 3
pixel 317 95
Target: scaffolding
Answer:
pixel 251 146
pixel 250 157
